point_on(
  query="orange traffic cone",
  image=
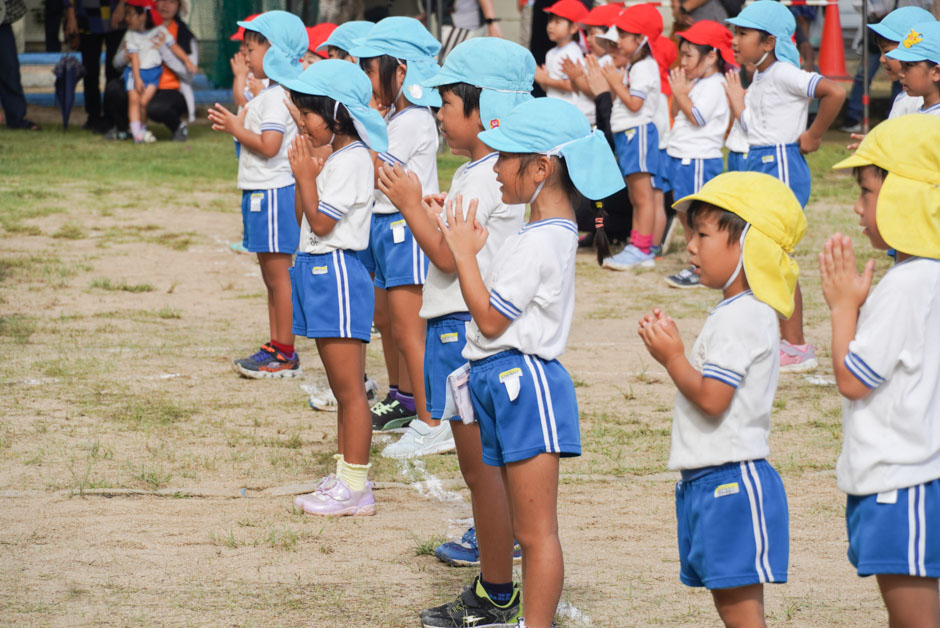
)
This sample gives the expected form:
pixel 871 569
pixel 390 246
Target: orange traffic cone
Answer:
pixel 831 51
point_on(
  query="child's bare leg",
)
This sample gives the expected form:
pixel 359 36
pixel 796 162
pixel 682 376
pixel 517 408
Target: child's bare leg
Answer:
pixel 911 601
pixel 409 330
pixel 145 99
pixel 659 216
pixel 489 502
pixel 274 272
pixel 532 486
pixel 791 329
pixel 344 367
pixel 640 191
pixel 384 324
pixel 133 106
pixel 741 607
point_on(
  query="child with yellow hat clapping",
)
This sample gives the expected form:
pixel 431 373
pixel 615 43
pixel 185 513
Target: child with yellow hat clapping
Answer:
pixel 729 496
pixel 884 355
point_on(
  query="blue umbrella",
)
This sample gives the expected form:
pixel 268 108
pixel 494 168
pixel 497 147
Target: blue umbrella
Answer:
pixel 68 72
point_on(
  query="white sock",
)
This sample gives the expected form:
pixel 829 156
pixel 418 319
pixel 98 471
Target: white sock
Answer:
pixel 136 128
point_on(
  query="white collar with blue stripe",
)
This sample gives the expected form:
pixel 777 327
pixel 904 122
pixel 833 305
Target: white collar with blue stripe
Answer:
pixel 479 161
pixel 730 300
pixel 551 222
pixel 346 147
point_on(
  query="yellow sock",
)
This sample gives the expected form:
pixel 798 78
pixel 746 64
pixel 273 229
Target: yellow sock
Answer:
pixel 339 461
pixel 354 475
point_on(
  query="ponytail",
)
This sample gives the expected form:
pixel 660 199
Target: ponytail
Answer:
pixel 601 241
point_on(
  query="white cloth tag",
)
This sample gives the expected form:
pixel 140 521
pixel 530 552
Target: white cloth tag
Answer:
pixel 457 396
pixel 256 198
pixel 888 497
pixel 510 379
pixel 398 231
pixel 687 161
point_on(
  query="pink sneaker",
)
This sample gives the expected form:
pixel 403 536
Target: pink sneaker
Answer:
pixel 335 499
pixel 797 358
pixel 322 485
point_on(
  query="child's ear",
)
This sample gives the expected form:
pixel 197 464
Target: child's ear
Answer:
pixel 769 44
pixel 935 73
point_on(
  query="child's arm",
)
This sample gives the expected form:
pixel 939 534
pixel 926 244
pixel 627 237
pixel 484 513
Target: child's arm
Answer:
pixel 681 99
pixel 831 97
pixel 546 82
pixel 182 56
pixel 736 93
pixel 615 80
pixel 575 73
pixel 267 144
pixel 662 340
pixel 845 292
pixel 306 167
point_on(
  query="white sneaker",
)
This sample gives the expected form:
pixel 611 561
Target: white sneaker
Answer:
pixel 372 390
pixel 422 440
pixel 324 400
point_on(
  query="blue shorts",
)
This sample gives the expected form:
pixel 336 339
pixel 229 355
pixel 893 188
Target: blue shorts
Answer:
pixel 443 347
pixel 737 162
pixel 902 537
pixel 269 222
pixel 733 526
pixel 660 181
pixel 332 296
pixel 637 150
pixel 396 256
pixel 786 162
pixel 365 256
pixel 542 415
pixel 149 76
pixel 687 176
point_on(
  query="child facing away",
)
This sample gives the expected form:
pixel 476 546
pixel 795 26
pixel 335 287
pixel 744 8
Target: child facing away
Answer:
pixel 521 315
pixel 264 130
pixel 563 31
pixel 477 95
pixel 332 291
pixel 145 35
pixel 774 113
pixel 919 54
pixel 884 357
pixel 701 112
pixel 729 496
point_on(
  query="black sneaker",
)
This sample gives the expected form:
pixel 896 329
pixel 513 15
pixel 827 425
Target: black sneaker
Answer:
pixel 685 278
pixel 181 134
pixel 114 134
pixel 391 416
pixel 474 608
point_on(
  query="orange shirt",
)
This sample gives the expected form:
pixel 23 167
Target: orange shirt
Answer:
pixel 168 79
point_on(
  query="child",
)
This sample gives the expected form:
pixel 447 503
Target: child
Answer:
pixel 264 131
pixel 701 112
pixel 665 52
pixel 476 95
pixel 773 113
pixel 317 36
pixel 919 55
pixel 730 502
pixel 397 55
pixel 340 41
pixel 884 357
pixel 332 292
pixel 632 121
pixel 521 318
pixel 563 31
pixel 145 35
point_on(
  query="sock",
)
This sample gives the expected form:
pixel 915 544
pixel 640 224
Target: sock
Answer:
pixel 287 350
pixel 642 242
pixel 500 593
pixel 393 391
pixel 136 129
pixel 407 400
pixel 354 475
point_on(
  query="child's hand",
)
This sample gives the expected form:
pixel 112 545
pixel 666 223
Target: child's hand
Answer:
pixel 190 67
pixel 303 164
pixel 734 89
pixel 541 74
pixel 842 286
pixel 239 65
pixel 138 85
pixel 809 143
pixel 158 39
pixel 402 188
pixel 679 82
pixel 465 237
pixel 436 200
pixel 661 337
pixel 295 114
pixel 858 137
pixel 612 74
pixel 572 69
pixel 224 120
pixel 595 78
pixel 255 85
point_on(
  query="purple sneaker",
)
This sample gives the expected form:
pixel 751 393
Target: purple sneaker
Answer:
pixel 334 498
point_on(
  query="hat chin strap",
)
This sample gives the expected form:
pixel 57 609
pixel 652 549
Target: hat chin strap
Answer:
pixel 763 58
pixel 401 90
pixel 335 110
pixel 737 269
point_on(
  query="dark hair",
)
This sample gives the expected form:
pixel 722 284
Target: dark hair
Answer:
pixel 387 67
pixel 255 37
pixel 324 106
pixel 703 50
pixel 857 172
pixel 727 221
pixel 339 52
pixel 642 52
pixel 138 10
pixel 469 94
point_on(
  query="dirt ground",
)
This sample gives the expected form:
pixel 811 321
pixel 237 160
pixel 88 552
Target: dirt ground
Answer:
pixel 142 482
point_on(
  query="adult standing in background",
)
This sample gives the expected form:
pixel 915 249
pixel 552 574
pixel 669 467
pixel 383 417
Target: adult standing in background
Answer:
pixel 465 19
pixel 12 97
pixel 340 11
pixel 685 13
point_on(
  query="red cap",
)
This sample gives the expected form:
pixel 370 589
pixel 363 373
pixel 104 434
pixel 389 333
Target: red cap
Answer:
pixel 569 9
pixel 319 34
pixel 603 15
pixel 240 33
pixel 150 6
pixel 709 33
pixel 665 52
pixel 641 19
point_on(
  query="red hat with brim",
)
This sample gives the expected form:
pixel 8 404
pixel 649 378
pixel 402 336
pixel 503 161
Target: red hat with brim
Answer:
pixel 641 19
pixel 571 10
pixel 240 33
pixel 319 34
pixel 603 15
pixel 150 6
pixel 665 52
pixel 709 33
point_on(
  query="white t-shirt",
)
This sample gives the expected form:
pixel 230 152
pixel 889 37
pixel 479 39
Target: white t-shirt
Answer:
pixel 891 438
pixel 344 191
pixel 531 282
pixel 661 121
pixel 642 78
pixel 904 104
pixel 740 346
pixel 143 43
pixel 553 61
pixel 711 111
pixel 934 111
pixel 473 180
pixel 737 139
pixel 267 112
pixel 412 142
pixel 777 104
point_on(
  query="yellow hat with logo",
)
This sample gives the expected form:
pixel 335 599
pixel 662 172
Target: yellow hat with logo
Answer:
pixel 908 209
pixel 775 225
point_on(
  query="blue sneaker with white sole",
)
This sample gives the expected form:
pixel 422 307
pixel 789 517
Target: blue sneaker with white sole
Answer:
pixel 466 553
pixel 630 257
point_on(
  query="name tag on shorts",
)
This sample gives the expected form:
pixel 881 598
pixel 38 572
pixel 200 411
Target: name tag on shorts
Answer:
pixel 510 379
pixel 256 199
pixel 727 489
pixel 687 162
pixel 767 159
pixel 398 231
pixel 888 497
pixel 450 337
pixel 630 133
pixel 320 270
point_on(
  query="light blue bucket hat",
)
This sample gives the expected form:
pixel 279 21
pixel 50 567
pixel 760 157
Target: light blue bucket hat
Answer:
pixel 289 42
pixel 349 86
pixel 896 25
pixel 504 84
pixel 920 43
pixel 774 18
pixel 406 39
pixel 345 35
pixel 550 126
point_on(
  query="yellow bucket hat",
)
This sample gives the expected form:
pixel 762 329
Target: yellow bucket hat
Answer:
pixel 775 225
pixel 908 209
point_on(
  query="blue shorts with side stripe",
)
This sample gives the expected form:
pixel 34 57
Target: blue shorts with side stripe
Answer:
pixel 332 296
pixel 400 263
pixel 737 162
pixel 443 354
pixel 733 526
pixel 637 150
pixel 687 176
pixel 786 162
pixel 270 224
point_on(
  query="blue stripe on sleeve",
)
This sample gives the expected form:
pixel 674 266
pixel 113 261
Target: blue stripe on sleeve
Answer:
pixel 862 371
pixel 727 376
pixel 329 210
pixel 504 307
pixel 699 118
pixel 638 94
pixel 271 126
pixel 813 82
pixel 390 159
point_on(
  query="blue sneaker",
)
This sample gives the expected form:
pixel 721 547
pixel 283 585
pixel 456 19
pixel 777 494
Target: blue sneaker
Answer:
pixel 630 257
pixel 466 553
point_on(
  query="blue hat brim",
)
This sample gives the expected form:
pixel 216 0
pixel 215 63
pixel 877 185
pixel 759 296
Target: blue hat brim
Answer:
pixel 245 25
pixel 885 32
pixel 417 73
pixel 444 77
pixel 498 140
pixel 743 23
pixel 495 105
pixel 361 51
pixel 907 55
pixel 279 68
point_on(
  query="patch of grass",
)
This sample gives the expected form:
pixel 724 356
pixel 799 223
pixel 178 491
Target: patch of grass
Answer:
pixel 152 411
pixel 225 539
pixel 426 546
pixel 41 268
pixel 105 283
pixel 152 475
pixel 17 327
pixel 69 231
pixel 292 442
pixel 167 312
